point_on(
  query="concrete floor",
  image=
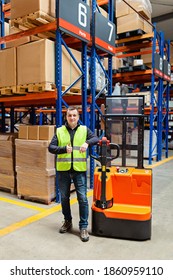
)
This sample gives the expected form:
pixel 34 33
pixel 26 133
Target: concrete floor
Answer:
pixel 29 230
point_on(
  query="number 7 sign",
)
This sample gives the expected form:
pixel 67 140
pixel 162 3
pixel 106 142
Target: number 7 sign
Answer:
pixel 104 33
pixel 74 18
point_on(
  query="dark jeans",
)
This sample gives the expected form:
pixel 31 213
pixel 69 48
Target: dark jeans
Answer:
pixel 80 182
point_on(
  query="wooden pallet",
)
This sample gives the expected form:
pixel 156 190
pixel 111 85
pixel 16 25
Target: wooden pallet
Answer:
pixel 42 200
pixel 129 34
pixel 8 189
pixel 34 20
pixel 37 87
pixel 11 90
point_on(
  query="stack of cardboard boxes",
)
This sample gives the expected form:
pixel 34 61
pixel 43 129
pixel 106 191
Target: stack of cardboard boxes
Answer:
pixel 30 60
pixel 35 166
pixel 7 162
pixel 128 20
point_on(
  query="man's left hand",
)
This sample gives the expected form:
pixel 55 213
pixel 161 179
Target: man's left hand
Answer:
pixel 84 147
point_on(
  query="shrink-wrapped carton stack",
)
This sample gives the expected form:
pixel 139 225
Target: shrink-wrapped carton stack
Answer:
pixel 36 66
pixel 35 166
pixel 129 20
pixel 7 162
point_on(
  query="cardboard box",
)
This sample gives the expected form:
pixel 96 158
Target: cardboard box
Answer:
pixel 23 131
pixel 7 165
pixel 147 58
pixel 143 7
pixel 36 62
pixel 122 9
pixel 7 162
pixel 46 132
pixel 20 41
pixel 8 67
pixel 70 70
pixel 20 8
pixel 7 182
pixel 129 22
pixel 34 152
pixel 38 185
pixel 115 63
pixel 7 144
pixel 33 132
pixel 147 27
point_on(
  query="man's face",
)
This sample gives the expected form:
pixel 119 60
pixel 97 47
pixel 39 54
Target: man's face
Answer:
pixel 72 118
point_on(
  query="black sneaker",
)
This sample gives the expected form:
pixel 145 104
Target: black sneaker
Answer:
pixel 84 235
pixel 67 225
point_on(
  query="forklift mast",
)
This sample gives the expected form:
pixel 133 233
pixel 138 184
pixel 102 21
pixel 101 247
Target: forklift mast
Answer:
pixel 124 115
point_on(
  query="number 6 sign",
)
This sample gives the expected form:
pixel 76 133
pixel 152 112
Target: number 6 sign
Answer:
pixel 74 18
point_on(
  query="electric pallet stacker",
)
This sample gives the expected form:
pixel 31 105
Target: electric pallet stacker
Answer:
pixel 122 196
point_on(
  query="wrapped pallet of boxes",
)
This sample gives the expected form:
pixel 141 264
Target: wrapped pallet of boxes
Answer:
pixel 143 7
pixel 36 65
pixel 35 166
pixel 20 8
pixel 132 22
pixel 7 71
pixel 7 162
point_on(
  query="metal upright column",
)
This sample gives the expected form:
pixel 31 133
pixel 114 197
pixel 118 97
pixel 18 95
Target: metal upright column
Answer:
pixel 103 38
pixel 58 82
pixel 160 103
pixel 111 11
pixel 154 129
pixel 165 99
pixel 84 83
pixel 82 24
pixel 93 89
pixel 2 32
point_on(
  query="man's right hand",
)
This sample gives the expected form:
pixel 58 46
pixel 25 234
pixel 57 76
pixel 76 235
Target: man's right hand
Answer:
pixel 69 148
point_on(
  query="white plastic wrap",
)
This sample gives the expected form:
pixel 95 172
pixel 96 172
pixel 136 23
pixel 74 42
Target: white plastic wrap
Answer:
pixel 136 4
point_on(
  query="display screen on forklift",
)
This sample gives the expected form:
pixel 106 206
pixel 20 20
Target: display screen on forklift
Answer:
pixel 125 105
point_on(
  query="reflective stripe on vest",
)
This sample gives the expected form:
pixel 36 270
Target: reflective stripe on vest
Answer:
pixel 79 159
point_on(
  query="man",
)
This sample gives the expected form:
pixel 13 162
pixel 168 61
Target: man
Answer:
pixel 70 144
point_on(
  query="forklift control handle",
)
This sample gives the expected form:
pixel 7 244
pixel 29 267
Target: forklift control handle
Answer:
pixel 104 144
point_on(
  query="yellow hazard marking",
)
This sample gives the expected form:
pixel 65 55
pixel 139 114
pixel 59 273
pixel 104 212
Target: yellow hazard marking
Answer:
pixel 22 204
pixel 160 162
pixel 36 217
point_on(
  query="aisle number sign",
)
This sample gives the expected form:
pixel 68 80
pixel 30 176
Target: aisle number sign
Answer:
pixel 74 18
pixel 162 68
pixel 104 34
pixel 158 69
pixel 166 71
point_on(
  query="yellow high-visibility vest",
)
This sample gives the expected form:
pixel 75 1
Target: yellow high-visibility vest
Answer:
pixel 63 162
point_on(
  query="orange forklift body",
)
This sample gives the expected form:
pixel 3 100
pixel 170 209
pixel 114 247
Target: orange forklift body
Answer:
pixel 131 212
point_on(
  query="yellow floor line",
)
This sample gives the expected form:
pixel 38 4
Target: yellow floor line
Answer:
pixel 159 163
pixel 36 217
pixel 22 204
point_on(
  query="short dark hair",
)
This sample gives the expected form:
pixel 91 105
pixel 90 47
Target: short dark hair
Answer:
pixel 71 108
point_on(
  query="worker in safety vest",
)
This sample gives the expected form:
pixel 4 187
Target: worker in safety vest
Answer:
pixel 70 144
